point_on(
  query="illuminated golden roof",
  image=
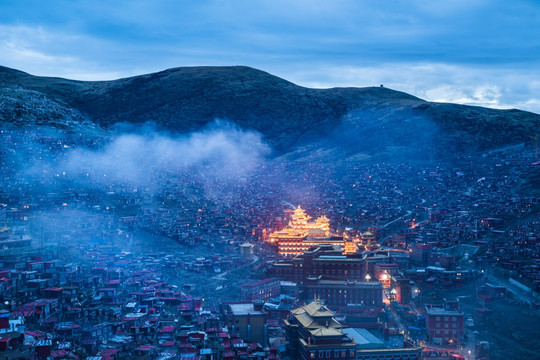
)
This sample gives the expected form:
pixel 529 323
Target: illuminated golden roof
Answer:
pixel 349 248
pixel 300 226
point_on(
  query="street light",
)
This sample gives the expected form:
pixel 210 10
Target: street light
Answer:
pixel 368 277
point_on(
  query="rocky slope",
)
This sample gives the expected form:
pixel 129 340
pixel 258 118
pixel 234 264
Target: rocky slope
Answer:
pixel 345 121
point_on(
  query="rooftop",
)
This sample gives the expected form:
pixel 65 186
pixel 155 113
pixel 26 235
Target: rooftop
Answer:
pixel 341 283
pixel 244 309
pixel 326 331
pixel 442 311
pixel 314 309
pixel 364 338
pixel 374 339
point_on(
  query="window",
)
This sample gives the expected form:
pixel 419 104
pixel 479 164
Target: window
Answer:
pixel 352 353
pixel 336 353
pixel 328 353
pixel 312 354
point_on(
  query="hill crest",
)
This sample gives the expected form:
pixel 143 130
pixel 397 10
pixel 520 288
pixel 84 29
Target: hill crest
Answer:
pixel 288 115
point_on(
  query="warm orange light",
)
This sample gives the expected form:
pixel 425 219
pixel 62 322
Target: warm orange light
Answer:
pixel 300 227
pixel 349 248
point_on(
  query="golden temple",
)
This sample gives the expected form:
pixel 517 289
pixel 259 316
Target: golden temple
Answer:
pixel 300 234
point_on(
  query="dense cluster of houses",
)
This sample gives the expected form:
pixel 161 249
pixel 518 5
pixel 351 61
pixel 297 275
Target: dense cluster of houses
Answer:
pixel 67 293
pixel 109 304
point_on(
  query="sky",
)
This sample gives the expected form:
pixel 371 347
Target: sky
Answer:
pixel 476 52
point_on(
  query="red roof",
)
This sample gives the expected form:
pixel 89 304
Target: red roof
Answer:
pixel 35 334
pixel 59 354
pixel 107 352
pixel 167 329
pixel 145 347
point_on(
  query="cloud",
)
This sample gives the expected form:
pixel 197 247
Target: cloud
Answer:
pixel 147 160
pixel 288 38
pixel 489 86
pixel 41 51
pixel 225 150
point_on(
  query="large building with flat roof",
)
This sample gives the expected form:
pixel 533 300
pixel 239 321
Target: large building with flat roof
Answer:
pixel 261 290
pixel 445 323
pixel 346 293
pixel 247 319
pixel 324 260
pixel 376 345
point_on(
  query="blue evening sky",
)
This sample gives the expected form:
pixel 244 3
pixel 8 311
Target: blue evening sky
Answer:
pixel 479 52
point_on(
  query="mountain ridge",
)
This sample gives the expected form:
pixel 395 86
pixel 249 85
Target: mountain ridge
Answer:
pixel 185 99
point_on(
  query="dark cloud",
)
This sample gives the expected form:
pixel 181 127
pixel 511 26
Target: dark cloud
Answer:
pixel 109 40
